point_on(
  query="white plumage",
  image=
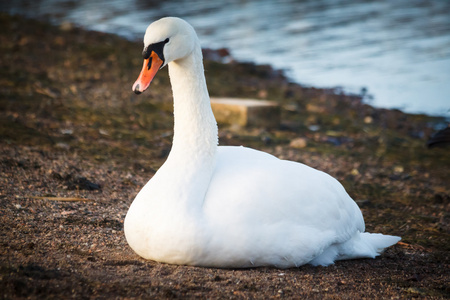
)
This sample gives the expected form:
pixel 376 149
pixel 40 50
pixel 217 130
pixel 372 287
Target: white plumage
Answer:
pixel 233 206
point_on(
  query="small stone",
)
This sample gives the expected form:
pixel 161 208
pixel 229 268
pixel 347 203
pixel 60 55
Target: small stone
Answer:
pixel 398 169
pixel 66 26
pixel 298 143
pixel 103 132
pixel 66 131
pixel 314 128
pixel 63 146
pixel 315 108
pixel 368 120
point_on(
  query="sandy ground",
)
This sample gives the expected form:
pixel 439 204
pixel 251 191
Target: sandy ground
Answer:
pixel 76 146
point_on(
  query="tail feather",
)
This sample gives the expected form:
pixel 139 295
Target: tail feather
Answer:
pixel 362 245
pixel 379 241
pixel 367 245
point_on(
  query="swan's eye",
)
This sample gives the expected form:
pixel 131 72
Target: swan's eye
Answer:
pixel 166 40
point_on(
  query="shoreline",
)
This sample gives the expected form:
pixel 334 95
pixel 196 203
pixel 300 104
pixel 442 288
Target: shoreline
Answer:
pixel 224 56
pixel 322 67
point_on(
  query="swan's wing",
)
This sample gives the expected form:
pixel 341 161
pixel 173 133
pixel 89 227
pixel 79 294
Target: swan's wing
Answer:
pixel 281 203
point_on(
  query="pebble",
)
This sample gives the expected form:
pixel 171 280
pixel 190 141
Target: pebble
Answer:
pixel 298 143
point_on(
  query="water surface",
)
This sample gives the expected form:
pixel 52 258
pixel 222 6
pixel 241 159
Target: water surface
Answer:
pixel 398 50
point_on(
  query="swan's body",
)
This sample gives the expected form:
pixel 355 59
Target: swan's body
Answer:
pixel 233 206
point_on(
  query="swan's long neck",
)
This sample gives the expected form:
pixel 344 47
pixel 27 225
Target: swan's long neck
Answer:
pixel 191 161
pixel 195 130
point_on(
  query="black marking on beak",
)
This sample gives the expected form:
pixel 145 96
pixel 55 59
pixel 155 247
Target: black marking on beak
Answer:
pixel 157 48
pixel 136 90
pixel 149 65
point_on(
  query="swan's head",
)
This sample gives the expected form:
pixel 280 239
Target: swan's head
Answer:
pixel 165 40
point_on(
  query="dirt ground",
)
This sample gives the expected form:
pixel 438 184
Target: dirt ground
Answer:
pixel 76 145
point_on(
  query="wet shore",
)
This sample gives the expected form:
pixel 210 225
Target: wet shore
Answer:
pixel 71 129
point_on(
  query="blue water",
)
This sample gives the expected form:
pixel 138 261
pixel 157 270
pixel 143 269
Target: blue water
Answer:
pixel 398 50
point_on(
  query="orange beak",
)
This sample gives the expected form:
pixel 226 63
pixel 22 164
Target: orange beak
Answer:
pixel 149 70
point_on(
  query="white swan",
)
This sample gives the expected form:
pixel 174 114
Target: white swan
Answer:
pixel 233 206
